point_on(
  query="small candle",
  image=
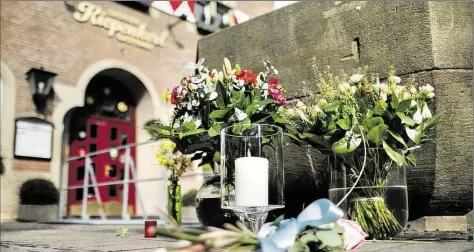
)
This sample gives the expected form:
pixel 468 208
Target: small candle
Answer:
pixel 251 181
pixel 150 229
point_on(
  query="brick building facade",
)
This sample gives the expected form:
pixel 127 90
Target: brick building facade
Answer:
pixel 47 35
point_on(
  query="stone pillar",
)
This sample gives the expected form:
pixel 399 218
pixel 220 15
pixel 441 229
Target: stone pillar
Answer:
pixel 431 41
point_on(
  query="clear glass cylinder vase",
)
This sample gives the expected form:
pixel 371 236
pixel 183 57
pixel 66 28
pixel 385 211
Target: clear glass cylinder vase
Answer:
pixel 252 173
pixel 379 200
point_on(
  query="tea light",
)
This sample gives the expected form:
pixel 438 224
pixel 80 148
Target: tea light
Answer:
pixel 251 181
pixel 150 229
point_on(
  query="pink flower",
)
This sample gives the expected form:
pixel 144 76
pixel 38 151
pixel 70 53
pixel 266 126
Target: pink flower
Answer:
pixel 354 236
pixel 277 95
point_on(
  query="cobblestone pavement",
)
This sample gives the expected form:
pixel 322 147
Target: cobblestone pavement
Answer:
pixel 22 237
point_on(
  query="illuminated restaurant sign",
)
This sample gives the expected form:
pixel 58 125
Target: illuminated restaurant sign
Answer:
pixel 123 27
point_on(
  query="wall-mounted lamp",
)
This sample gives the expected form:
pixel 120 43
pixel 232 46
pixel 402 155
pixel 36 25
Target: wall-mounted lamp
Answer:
pixel 41 83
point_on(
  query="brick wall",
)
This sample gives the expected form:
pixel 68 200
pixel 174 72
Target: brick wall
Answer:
pixel 35 34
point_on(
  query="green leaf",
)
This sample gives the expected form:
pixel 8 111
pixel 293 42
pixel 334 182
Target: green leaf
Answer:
pixel 395 156
pixel 158 127
pixel 347 144
pixel 299 247
pixel 398 138
pixel 380 107
pixel 432 122
pixel 194 132
pixel 293 137
pixel 404 105
pixel 308 237
pixel 221 99
pixel 190 126
pixel 344 124
pixel 394 102
pixel 414 135
pixel 217 157
pixel 369 123
pixel 411 159
pixel 215 130
pixel 236 97
pixel 330 238
pixel 218 114
pixel 405 119
pixel 332 107
pixel 376 133
pixel 315 140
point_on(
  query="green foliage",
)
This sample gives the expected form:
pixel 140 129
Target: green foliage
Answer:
pixel 38 192
pixel 212 100
pixel 389 116
pixel 319 239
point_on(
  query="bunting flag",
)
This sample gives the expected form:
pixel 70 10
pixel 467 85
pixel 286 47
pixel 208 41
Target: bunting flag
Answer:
pixel 187 8
pixel 177 8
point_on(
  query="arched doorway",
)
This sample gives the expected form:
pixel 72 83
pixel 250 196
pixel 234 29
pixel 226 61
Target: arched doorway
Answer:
pixel 107 120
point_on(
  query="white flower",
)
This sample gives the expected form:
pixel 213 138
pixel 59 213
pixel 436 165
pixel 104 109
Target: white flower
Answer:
pixel 425 113
pixel 417 117
pixel 239 115
pixel 212 96
pixel 430 95
pixel 395 79
pixel 428 88
pixel 356 78
pixel 413 90
pixel 353 89
pixel 195 103
pixel 344 87
pixel 406 95
pixel 192 65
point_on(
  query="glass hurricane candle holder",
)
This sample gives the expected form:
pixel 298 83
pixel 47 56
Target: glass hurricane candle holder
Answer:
pixel 252 172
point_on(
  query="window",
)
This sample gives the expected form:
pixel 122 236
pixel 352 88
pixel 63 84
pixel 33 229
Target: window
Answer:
pixel 122 173
pixel 80 173
pixel 112 191
pixel 93 131
pixel 92 148
pixel 113 134
pixel 79 193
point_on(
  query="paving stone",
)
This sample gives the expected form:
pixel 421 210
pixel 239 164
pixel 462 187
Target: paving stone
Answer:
pixel 23 237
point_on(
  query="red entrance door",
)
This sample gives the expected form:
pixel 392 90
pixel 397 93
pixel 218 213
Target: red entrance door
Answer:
pixel 102 133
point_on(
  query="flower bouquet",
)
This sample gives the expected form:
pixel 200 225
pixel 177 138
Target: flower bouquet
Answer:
pixel 317 228
pixel 211 100
pixel 369 130
pixel 177 163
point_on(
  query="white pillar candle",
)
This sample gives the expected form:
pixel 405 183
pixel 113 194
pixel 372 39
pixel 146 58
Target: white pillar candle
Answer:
pixel 251 181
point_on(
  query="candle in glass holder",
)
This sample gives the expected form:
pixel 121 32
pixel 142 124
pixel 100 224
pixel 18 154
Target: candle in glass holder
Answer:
pixel 251 181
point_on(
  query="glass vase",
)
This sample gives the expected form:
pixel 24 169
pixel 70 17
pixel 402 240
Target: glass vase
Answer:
pixel 175 203
pixel 252 174
pixel 208 207
pixel 379 201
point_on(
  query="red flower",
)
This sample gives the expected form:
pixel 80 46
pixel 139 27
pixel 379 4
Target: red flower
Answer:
pixel 176 94
pixel 274 82
pixel 211 74
pixel 247 76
